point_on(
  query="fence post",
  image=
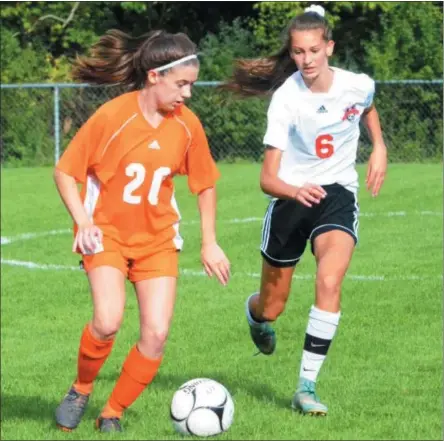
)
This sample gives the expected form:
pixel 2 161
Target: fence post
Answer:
pixel 56 124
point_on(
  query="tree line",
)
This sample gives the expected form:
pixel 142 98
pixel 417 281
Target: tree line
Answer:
pixel 387 40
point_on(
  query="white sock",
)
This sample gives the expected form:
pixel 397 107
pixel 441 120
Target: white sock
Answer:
pixel 250 318
pixel 320 331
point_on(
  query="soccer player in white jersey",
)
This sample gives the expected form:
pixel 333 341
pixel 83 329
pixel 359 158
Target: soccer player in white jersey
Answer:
pixel 309 172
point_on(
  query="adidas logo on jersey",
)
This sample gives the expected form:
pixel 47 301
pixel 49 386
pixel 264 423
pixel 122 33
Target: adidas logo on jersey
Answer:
pixel 322 109
pixel 154 145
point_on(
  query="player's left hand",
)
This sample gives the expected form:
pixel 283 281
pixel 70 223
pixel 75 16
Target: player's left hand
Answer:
pixel 377 167
pixel 215 262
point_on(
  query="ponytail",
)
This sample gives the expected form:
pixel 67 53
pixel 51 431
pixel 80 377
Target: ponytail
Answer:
pixel 261 76
pixel 120 59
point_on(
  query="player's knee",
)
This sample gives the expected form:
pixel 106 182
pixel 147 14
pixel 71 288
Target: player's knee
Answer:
pixel 106 327
pixel 153 341
pixel 328 284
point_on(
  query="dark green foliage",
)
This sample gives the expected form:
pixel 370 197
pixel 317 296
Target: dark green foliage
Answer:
pixel 389 41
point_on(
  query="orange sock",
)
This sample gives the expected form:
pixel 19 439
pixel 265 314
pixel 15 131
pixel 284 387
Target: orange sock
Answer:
pixel 138 371
pixel 92 355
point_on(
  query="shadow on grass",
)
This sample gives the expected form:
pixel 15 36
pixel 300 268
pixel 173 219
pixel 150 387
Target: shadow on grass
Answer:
pixel 259 391
pixel 34 408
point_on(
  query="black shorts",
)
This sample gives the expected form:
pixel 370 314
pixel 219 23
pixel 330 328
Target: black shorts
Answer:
pixel 288 224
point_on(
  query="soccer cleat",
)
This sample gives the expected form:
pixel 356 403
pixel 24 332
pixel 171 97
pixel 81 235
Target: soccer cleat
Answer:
pixel 263 337
pixel 306 401
pixel 108 424
pixel 262 333
pixel 71 409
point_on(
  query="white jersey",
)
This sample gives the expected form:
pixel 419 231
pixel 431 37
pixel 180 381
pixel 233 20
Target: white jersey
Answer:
pixel 318 132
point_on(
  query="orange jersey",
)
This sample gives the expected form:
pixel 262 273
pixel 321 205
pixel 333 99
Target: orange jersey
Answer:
pixel 127 167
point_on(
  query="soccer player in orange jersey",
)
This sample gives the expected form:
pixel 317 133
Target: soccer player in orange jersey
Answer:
pixel 126 217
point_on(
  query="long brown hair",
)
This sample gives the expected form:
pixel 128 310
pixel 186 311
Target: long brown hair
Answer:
pixel 260 76
pixel 120 59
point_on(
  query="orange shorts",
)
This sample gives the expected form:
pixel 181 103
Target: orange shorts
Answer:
pixel 162 263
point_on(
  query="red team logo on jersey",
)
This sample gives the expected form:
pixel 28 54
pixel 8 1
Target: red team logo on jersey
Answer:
pixel 350 113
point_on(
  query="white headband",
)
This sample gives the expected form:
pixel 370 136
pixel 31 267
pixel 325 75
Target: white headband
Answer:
pixel 175 63
pixel 317 9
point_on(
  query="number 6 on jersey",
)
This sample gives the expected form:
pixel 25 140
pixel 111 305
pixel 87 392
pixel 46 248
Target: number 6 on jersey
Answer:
pixel 323 149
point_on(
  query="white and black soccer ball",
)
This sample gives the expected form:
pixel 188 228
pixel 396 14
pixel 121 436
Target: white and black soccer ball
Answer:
pixel 202 407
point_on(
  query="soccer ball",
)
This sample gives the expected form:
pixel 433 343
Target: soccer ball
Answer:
pixel 202 407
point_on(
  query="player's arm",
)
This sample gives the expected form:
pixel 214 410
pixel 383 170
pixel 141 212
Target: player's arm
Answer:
pixel 88 235
pixel 69 193
pixel 72 169
pixel 213 258
pixel 206 201
pixel 377 164
pixel 202 176
pixel 370 118
pixel 272 185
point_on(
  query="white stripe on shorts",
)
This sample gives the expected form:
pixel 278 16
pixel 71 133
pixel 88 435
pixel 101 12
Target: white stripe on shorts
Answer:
pixel 267 225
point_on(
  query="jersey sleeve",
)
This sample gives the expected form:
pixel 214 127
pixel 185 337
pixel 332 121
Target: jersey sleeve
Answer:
pixel 278 124
pixel 78 157
pixel 199 164
pixel 367 85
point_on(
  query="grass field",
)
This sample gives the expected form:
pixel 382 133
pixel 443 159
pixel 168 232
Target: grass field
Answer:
pixel 382 378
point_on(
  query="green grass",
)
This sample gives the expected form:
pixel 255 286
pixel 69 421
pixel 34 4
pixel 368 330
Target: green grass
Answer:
pixel 382 378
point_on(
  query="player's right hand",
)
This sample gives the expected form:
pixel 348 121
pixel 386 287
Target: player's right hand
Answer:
pixel 309 194
pixel 88 238
pixel 215 262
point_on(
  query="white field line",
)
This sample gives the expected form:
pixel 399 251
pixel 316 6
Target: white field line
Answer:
pixel 194 273
pixel 188 272
pixel 34 265
pixel 26 236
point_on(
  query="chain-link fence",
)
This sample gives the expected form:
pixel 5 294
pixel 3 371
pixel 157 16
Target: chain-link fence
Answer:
pixel 37 121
